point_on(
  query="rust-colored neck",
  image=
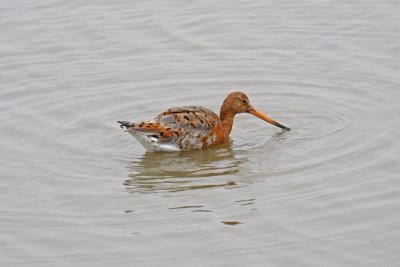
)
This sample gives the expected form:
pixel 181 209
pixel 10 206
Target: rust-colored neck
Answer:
pixel 226 116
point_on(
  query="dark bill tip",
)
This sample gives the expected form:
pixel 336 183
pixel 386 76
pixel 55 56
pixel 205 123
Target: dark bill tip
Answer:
pixel 282 126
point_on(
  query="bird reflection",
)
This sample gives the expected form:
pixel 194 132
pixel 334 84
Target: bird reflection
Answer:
pixel 180 171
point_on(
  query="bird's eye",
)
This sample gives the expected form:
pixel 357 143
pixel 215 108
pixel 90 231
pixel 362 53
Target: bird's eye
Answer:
pixel 244 101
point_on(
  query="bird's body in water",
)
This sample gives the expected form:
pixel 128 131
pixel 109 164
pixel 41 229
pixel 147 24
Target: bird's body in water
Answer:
pixel 192 127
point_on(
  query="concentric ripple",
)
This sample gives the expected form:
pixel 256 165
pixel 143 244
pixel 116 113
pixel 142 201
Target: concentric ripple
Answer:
pixel 75 189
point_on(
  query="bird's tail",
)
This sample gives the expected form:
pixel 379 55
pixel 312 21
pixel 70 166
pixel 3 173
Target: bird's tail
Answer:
pixel 126 124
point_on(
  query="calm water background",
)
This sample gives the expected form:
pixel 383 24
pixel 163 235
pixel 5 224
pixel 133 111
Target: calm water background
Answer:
pixel 76 191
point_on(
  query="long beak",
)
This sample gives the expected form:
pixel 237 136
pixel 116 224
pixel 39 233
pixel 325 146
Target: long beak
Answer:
pixel 266 118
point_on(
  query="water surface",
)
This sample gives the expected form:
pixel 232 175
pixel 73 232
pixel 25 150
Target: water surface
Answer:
pixel 77 191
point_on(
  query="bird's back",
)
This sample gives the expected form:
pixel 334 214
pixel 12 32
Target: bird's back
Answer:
pixel 179 128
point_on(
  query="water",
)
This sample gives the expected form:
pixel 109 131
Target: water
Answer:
pixel 76 191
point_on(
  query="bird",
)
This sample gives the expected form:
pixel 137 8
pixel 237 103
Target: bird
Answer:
pixel 192 127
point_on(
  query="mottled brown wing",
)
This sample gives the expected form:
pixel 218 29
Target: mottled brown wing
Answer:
pixel 190 126
pixel 184 127
pixel 192 117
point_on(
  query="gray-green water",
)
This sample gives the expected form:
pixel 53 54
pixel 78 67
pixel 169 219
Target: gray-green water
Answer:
pixel 76 191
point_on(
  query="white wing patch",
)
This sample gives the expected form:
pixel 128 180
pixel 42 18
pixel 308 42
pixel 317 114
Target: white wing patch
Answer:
pixel 151 143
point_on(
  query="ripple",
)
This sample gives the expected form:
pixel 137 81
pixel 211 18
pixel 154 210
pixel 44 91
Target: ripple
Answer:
pixel 231 222
pixel 329 71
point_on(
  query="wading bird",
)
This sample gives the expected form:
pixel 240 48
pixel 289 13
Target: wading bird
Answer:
pixel 192 127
